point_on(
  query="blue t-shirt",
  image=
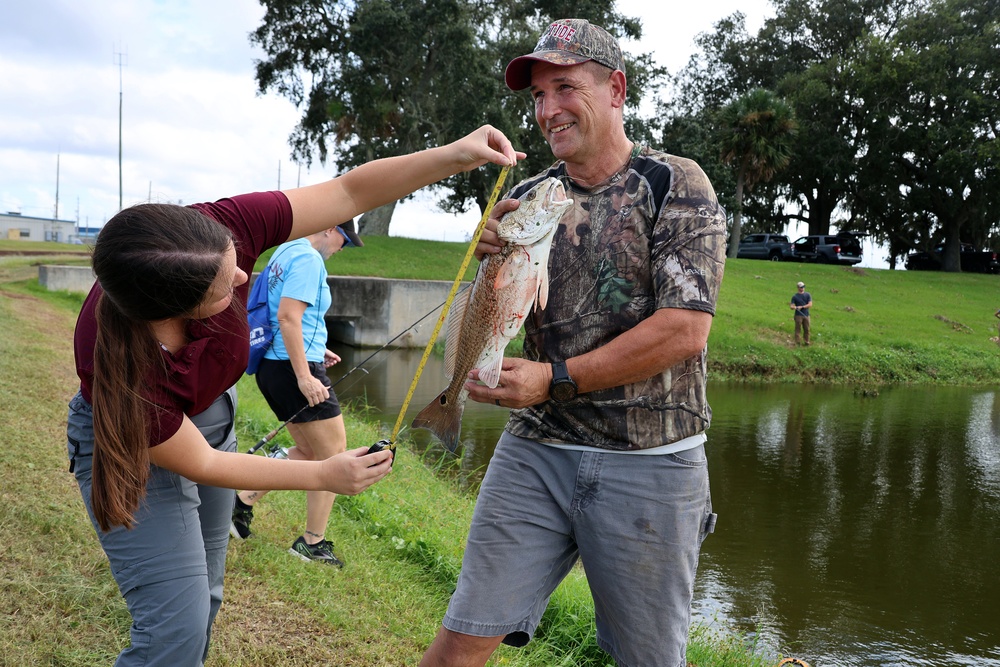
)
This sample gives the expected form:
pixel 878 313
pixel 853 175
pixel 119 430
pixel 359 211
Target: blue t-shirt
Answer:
pixel 298 272
pixel 801 300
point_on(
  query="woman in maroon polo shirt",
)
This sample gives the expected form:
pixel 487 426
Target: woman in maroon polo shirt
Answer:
pixel 160 343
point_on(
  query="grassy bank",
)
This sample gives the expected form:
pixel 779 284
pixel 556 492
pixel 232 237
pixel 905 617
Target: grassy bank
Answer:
pixel 402 539
pixel 870 326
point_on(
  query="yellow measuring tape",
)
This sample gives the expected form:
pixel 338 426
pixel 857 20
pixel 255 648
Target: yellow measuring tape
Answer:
pixel 447 303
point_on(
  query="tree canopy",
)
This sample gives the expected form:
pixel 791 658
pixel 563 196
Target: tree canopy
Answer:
pixel 755 135
pixel 929 124
pixel 377 78
pixel 897 106
pixel 896 102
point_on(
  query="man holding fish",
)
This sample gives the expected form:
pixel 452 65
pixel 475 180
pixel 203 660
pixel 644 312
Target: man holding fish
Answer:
pixel 603 458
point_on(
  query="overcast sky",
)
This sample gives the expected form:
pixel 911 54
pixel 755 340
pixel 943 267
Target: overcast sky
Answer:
pixel 193 127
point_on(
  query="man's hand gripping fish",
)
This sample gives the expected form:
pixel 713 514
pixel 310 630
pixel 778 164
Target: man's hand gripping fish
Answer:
pixel 484 318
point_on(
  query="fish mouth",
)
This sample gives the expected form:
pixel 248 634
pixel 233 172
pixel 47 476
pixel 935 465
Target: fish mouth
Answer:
pixel 556 193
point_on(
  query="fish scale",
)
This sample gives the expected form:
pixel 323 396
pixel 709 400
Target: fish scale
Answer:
pixel 508 284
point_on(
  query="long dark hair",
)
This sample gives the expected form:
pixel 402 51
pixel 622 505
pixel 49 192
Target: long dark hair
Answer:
pixel 153 262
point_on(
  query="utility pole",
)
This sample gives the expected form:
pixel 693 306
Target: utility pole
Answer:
pixel 121 59
pixel 55 214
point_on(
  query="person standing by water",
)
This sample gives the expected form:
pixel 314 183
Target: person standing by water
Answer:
pixel 801 303
pixel 159 344
pixel 603 458
pixel 292 377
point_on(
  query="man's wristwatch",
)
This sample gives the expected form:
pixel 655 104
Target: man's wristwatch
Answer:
pixel 562 388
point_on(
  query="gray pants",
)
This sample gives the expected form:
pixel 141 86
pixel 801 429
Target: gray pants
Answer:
pixel 170 566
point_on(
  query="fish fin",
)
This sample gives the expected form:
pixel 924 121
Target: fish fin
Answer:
pixel 542 295
pixel 508 271
pixel 489 372
pixel 453 331
pixel 443 419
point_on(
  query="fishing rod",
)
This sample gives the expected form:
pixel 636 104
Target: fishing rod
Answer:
pixel 390 443
pixel 270 436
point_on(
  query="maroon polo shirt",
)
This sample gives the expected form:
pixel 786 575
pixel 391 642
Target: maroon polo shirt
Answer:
pixel 216 357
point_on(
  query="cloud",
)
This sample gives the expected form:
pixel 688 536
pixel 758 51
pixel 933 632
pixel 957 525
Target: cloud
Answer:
pixel 193 126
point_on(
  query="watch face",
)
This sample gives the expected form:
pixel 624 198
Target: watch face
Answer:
pixel 563 391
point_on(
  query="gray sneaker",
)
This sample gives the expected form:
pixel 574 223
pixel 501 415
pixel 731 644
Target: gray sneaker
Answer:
pixel 322 551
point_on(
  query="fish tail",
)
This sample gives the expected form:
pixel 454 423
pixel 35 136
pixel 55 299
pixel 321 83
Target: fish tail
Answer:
pixel 443 418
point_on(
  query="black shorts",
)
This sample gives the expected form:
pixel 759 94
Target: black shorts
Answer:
pixel 276 381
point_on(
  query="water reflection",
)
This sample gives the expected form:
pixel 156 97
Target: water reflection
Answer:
pixel 853 531
pixel 857 531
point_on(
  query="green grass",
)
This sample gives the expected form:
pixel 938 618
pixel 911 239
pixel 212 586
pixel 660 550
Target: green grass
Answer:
pixel 403 539
pixel 8 245
pixel 397 257
pixel 869 326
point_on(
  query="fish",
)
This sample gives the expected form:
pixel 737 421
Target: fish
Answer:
pixel 486 317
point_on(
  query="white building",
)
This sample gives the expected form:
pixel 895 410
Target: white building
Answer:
pixel 17 227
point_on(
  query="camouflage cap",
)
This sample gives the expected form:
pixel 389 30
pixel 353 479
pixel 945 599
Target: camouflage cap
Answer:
pixel 566 42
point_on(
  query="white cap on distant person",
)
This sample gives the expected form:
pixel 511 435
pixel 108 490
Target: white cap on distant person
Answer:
pixel 802 284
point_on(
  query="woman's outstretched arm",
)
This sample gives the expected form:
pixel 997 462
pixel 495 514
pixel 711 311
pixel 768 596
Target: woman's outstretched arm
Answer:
pixel 318 207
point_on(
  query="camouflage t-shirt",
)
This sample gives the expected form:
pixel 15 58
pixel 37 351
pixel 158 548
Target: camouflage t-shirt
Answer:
pixel 653 237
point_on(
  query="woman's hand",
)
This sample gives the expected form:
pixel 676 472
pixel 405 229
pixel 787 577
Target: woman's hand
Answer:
pixel 330 358
pixel 353 471
pixel 487 144
pixel 314 391
pixel 379 182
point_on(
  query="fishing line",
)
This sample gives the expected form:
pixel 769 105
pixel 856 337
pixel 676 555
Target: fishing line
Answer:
pixel 270 436
pixel 447 304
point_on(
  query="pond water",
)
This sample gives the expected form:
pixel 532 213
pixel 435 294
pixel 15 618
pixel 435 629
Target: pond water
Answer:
pixel 853 530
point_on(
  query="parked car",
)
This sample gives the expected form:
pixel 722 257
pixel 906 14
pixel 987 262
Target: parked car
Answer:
pixel 972 260
pixel 773 247
pixel 840 248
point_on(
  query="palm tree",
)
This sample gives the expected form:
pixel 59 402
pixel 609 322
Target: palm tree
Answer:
pixel 755 135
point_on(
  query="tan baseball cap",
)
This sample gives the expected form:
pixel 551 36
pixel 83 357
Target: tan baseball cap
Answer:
pixel 801 285
pixel 566 42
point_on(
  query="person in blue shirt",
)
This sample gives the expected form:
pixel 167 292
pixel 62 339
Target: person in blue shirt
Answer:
pixel 293 374
pixel 801 302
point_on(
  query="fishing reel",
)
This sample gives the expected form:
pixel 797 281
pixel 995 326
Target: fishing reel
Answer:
pixel 276 451
pixel 383 444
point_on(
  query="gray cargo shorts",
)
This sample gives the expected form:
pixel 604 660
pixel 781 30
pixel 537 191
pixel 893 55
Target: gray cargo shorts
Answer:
pixel 635 522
